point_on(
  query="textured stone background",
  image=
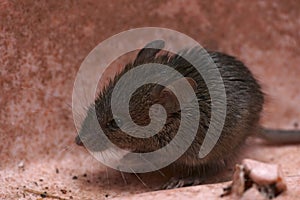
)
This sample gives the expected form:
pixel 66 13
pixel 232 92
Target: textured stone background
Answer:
pixel 42 44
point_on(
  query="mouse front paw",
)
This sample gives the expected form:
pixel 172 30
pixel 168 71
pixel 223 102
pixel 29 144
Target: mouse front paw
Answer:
pixel 181 182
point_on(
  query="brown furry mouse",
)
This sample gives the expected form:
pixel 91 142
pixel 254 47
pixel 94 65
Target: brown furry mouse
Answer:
pixel 245 101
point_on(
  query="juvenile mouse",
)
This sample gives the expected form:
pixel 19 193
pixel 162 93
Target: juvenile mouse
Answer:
pixel 245 101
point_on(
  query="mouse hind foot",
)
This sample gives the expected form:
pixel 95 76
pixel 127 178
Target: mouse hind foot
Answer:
pixel 175 182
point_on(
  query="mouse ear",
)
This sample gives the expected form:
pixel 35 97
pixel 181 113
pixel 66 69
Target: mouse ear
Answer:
pixel 149 51
pixel 168 99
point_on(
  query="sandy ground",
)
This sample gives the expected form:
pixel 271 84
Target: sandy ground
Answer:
pixel 42 44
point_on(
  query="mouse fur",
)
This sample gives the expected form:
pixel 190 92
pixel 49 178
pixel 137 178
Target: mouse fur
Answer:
pixel 244 97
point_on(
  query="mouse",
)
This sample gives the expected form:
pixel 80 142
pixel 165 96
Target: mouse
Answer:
pixel 245 99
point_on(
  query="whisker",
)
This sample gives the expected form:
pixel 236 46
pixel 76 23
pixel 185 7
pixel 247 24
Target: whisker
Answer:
pixel 88 159
pixel 93 166
pixel 150 163
pixel 139 178
pixel 107 177
pixel 68 148
pixel 123 177
pixel 114 154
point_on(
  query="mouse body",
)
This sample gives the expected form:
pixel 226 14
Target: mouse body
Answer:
pixel 244 98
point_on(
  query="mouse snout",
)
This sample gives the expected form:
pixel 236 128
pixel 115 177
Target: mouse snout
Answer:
pixel 78 141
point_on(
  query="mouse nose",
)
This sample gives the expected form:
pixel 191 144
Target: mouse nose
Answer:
pixel 78 141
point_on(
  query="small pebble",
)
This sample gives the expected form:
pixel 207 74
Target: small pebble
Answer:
pixel 44 195
pixel 63 191
pixel 21 165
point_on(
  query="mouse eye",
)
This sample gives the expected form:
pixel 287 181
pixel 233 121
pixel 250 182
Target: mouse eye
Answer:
pixel 113 124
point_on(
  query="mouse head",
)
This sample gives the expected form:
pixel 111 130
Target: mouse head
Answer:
pixel 100 115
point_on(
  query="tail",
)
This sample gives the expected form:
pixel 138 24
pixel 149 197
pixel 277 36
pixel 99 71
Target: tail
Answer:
pixel 279 136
